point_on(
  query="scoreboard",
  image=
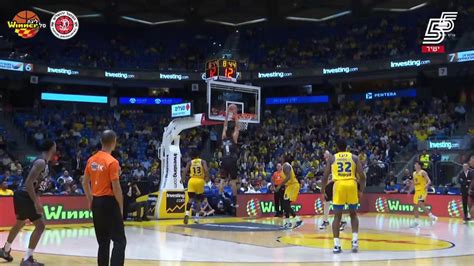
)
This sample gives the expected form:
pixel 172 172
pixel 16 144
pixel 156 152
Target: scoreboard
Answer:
pixel 222 69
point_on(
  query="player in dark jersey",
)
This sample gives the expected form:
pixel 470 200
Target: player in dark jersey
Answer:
pixel 230 153
pixel 28 207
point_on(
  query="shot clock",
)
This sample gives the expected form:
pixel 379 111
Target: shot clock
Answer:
pixel 221 69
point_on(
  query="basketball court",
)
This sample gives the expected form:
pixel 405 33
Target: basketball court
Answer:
pixel 384 239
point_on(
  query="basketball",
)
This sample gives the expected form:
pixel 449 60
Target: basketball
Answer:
pixel 27 31
pixel 26 16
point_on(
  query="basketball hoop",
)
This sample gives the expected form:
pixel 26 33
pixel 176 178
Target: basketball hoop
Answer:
pixel 239 120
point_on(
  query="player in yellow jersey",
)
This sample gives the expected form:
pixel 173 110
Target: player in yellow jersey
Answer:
pixel 345 167
pixel 421 182
pixel 292 190
pixel 198 175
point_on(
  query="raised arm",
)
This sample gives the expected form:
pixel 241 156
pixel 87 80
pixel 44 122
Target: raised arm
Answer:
pixel 235 135
pixel 226 123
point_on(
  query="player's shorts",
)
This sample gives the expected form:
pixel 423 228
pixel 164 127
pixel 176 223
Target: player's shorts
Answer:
pixel 329 188
pixel 420 196
pixel 345 192
pixel 291 192
pixel 329 191
pixel 229 167
pixel 24 207
pixel 196 185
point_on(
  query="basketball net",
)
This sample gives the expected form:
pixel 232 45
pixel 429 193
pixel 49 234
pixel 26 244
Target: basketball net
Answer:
pixel 243 125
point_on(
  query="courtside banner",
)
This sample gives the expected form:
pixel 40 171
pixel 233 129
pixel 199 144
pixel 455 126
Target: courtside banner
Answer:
pixel 258 205
pixel 56 210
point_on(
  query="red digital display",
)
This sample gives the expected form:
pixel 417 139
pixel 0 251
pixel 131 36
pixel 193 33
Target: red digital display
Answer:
pixel 224 68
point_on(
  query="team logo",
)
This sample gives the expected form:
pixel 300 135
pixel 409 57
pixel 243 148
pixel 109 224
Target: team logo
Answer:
pixel 436 32
pixel 318 206
pixel 26 24
pixel 253 207
pixel 381 205
pixel 454 208
pixel 64 25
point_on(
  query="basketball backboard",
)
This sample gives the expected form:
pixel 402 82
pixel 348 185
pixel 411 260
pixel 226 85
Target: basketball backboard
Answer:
pixel 221 94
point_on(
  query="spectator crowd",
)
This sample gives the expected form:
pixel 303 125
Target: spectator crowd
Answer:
pixel 376 131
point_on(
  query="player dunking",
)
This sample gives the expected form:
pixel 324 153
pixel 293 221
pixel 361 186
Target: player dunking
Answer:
pixel 230 152
pixel 198 175
pixel 292 190
pixel 421 182
pixel 28 207
pixel 344 167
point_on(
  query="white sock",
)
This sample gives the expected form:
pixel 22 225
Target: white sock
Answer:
pixel 431 215
pixel 355 236
pixel 417 221
pixel 29 253
pixel 297 218
pixel 8 246
pixel 187 213
pixel 337 242
pixel 327 205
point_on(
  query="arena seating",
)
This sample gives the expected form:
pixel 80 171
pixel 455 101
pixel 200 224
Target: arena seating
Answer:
pixel 377 131
pixel 301 45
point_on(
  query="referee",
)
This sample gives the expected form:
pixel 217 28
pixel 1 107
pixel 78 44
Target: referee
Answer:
pixel 102 187
pixel 465 182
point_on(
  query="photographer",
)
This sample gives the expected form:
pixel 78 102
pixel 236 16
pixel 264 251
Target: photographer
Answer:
pixel 132 192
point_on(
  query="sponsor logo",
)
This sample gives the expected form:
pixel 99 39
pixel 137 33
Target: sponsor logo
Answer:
pixel 371 95
pixel 265 207
pixel 274 74
pixel 443 145
pixel 119 75
pixel 436 32
pixel 58 213
pixel 339 70
pixel 175 170
pixel 175 202
pixel 181 110
pixel 454 208
pixel 26 24
pixel 318 206
pixel 409 63
pixel 253 208
pixel 64 71
pixel 64 25
pixel 173 76
pixel 97 167
pixel 393 205
pixel 11 65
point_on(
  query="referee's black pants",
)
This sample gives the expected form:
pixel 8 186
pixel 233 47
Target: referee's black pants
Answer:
pixel 464 196
pixel 108 224
pixel 278 198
